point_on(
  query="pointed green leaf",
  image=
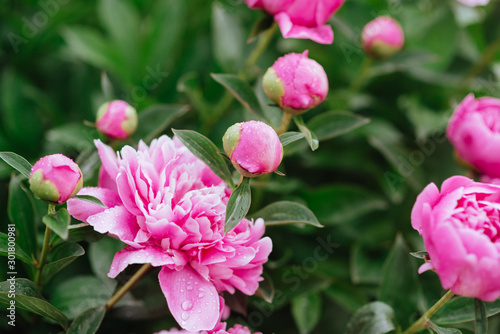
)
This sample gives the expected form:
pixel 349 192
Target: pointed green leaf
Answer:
pixel 29 298
pixel 21 210
pixel 332 124
pixel 480 321
pixel 290 137
pixel 58 222
pixel 60 257
pixel 107 87
pixel 441 330
pixel 154 120
pixel 285 212
pixel 242 91
pixel 266 288
pixel 311 138
pixel 228 40
pixel 461 309
pixel 306 311
pixel 19 252
pixel 101 255
pixel 238 205
pixel 207 152
pixel 373 318
pixel 17 162
pixel 91 199
pixel 88 321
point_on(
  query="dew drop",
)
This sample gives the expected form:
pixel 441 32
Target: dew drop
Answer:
pixel 185 316
pixel 187 305
pixel 201 295
pixel 189 288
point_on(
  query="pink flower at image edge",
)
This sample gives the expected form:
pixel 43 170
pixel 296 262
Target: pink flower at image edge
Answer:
pixel 474 3
pixel 301 18
pixel 169 208
pixel 460 226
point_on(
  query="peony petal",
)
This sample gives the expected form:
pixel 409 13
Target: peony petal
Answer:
pixel 82 210
pixel 130 255
pixel 429 195
pixel 321 34
pixel 118 222
pixel 108 158
pixel 192 300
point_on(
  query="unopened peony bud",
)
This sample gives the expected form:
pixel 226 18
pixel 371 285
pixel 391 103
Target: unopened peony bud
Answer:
pixel 296 83
pixel 382 37
pixel 253 147
pixel 55 179
pixel 116 119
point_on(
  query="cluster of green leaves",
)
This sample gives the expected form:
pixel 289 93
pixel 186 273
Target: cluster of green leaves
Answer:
pixel 376 145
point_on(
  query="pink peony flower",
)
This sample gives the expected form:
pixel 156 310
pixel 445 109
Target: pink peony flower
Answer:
pixel 116 119
pixel 169 208
pixel 461 230
pixel 296 83
pixel 253 147
pixel 474 3
pixel 236 329
pixel 474 131
pixel 301 18
pixel 382 37
pixel 55 178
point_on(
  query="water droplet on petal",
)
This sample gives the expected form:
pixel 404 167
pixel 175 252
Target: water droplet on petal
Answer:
pixel 187 305
pixel 201 295
pixel 189 288
pixel 185 316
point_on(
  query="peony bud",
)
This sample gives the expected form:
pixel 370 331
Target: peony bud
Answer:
pixel 253 147
pixel 296 83
pixel 116 119
pixel 55 179
pixel 382 37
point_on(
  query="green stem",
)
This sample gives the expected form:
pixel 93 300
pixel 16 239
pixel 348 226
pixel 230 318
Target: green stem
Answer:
pixel 124 289
pixel 420 323
pixel 285 123
pixel 362 76
pixel 45 248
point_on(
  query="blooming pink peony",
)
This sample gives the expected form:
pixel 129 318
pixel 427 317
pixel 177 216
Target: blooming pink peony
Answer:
pixel 296 83
pixel 236 329
pixel 253 147
pixel 116 119
pixel 55 178
pixel 169 208
pixel 301 18
pixel 382 37
pixel 474 3
pixel 474 131
pixel 461 230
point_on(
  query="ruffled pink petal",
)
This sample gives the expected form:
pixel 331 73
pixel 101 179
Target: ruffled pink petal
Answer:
pixel 108 158
pixel 192 300
pixel 430 194
pixel 321 34
pixel 118 222
pixel 130 255
pixel 82 210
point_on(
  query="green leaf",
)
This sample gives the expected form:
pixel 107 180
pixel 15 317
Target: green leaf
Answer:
pixel 107 87
pixel 238 204
pixel 101 255
pixel 84 233
pixel 90 292
pixel 290 137
pixel 306 311
pixel 21 210
pixel 441 330
pixel 60 257
pixel 19 252
pixel 242 91
pixel 311 138
pixel 373 318
pixel 205 150
pixel 400 286
pixel 461 309
pixel 91 199
pixel 17 162
pixel 346 295
pixel 480 321
pixel 266 288
pixel 285 212
pixel 29 297
pixel 332 124
pixel 58 222
pixel 154 120
pixel 264 23
pixel 88 321
pixel 228 41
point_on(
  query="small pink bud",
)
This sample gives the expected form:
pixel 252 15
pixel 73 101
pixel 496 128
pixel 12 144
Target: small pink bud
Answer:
pixel 296 83
pixel 253 147
pixel 116 119
pixel 55 179
pixel 382 37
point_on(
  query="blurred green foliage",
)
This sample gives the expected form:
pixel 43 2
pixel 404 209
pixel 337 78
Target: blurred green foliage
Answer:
pixel 361 185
